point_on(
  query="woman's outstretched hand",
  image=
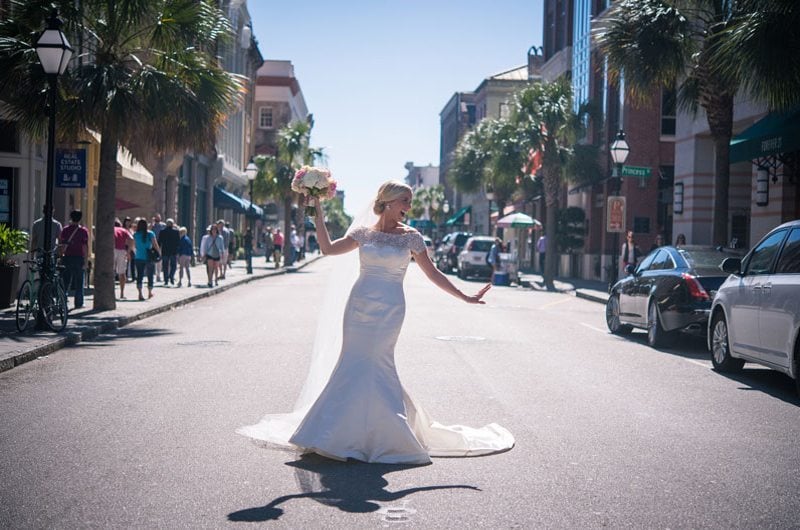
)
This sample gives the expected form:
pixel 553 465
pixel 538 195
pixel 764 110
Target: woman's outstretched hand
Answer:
pixel 476 298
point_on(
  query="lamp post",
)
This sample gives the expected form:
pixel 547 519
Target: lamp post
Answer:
pixel 54 53
pixel 250 171
pixel 490 198
pixel 619 151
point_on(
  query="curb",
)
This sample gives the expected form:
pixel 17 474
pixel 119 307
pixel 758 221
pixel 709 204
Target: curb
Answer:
pixel 587 295
pixel 81 333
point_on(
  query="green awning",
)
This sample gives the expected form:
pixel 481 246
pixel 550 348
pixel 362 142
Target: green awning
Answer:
pixel 458 218
pixel 228 201
pixel 775 133
pixel 421 224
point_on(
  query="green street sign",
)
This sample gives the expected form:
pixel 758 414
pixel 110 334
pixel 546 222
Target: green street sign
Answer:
pixel 636 171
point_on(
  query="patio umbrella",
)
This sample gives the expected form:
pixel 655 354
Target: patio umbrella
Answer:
pixel 517 220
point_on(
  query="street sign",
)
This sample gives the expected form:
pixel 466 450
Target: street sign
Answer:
pixel 70 168
pixel 636 171
pixel 615 220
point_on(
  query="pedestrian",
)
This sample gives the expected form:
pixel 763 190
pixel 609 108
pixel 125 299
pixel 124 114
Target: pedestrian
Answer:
pixel 630 252
pixel 680 240
pixel 226 236
pixel 658 243
pixel 212 249
pixel 168 240
pixel 74 240
pixel 145 240
pixel 268 243
pixel 157 226
pixel 277 247
pixel 353 404
pixel 294 241
pixel 541 248
pixel 123 242
pixel 129 225
pixel 493 257
pixel 37 233
pixel 232 244
pixel 185 254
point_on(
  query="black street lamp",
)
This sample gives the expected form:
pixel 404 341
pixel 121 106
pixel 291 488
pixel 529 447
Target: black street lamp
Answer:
pixel 250 171
pixel 54 53
pixel 489 198
pixel 619 151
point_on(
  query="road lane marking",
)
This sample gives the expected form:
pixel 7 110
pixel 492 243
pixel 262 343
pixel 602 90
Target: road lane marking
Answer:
pixel 545 306
pixel 603 331
pixel 698 363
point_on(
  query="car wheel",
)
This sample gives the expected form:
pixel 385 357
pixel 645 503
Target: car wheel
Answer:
pixel 656 335
pixel 720 346
pixel 612 317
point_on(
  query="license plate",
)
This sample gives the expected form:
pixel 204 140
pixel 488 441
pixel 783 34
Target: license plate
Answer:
pixel 477 259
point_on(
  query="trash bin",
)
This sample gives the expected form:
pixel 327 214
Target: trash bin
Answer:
pixel 501 278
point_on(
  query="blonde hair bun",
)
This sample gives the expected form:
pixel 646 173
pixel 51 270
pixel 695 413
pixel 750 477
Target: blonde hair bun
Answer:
pixel 389 191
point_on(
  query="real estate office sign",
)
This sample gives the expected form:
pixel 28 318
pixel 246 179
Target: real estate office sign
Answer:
pixel 71 168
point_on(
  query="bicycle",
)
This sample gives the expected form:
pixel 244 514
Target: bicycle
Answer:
pixel 42 295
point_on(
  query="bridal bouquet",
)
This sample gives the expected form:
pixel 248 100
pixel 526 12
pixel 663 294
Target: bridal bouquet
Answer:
pixel 314 182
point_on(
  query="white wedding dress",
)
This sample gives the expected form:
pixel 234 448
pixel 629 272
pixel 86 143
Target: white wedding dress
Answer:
pixel 363 412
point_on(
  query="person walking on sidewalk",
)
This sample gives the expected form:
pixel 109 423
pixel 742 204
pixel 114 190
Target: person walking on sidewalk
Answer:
pixel 123 241
pixel 630 253
pixel 185 253
pixel 541 248
pixel 225 234
pixel 75 243
pixel 212 249
pixel 157 227
pixel 168 240
pixel 277 248
pixel 144 240
pixel 268 243
pixel 37 233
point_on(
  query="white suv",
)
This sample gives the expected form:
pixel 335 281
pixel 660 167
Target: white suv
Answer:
pixel 755 316
pixel 472 259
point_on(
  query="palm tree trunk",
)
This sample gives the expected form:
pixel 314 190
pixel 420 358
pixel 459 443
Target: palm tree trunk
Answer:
pixel 104 294
pixel 552 182
pixel 721 184
pixel 287 225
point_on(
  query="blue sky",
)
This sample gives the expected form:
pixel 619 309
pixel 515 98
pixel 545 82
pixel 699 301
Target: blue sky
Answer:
pixel 376 74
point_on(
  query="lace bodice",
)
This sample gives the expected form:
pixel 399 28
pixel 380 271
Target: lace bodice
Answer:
pixel 411 240
pixel 386 256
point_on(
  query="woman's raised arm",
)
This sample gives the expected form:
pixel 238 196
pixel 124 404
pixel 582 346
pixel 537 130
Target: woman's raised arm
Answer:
pixel 328 247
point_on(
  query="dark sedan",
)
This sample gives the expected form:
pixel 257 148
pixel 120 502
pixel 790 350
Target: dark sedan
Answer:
pixel 669 291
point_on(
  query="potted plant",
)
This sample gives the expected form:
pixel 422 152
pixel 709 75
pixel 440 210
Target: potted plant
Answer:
pixel 12 242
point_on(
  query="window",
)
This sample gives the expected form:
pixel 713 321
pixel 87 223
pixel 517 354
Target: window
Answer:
pixel 662 261
pixel 641 225
pixel 668 112
pixel 789 262
pixel 504 112
pixel 9 136
pixel 760 261
pixel 265 118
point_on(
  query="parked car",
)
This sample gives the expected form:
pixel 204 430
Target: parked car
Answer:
pixel 428 246
pixel 755 316
pixel 447 253
pixel 669 291
pixel 472 258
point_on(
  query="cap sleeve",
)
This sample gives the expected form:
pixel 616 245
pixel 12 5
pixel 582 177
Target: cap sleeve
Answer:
pixel 417 243
pixel 357 233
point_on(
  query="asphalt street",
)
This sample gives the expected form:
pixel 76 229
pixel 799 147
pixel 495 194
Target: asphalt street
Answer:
pixel 135 429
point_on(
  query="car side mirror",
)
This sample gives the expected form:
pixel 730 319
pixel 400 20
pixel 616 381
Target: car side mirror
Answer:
pixel 731 266
pixel 630 269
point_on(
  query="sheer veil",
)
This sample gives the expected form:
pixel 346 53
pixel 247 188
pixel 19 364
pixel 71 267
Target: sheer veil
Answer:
pixel 278 428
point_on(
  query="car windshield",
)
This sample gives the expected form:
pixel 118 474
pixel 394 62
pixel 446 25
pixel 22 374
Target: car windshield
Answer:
pixel 461 239
pixel 708 259
pixel 480 246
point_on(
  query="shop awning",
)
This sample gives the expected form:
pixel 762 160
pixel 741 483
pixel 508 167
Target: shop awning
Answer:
pixel 775 133
pixel 228 201
pixel 421 224
pixel 458 218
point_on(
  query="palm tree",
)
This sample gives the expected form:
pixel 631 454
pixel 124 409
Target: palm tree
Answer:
pixel 275 174
pixel 710 48
pixel 544 112
pixel 145 78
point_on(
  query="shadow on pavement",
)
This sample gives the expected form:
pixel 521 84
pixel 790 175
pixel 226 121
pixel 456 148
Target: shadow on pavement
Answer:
pixel 101 341
pixel 351 486
pixel 770 382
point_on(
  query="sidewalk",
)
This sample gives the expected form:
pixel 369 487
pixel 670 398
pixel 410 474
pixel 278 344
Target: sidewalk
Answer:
pixel 593 290
pixel 85 323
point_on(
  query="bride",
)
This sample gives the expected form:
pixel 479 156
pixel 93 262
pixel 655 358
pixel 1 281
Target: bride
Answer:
pixel 353 404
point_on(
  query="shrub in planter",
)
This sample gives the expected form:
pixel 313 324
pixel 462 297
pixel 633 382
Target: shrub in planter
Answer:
pixel 12 242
